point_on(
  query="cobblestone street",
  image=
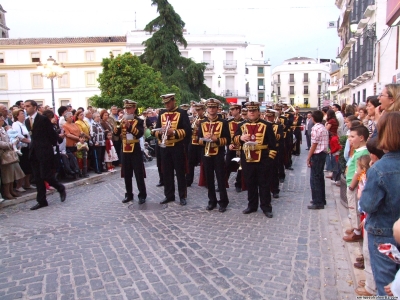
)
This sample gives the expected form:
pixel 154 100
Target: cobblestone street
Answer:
pixel 94 247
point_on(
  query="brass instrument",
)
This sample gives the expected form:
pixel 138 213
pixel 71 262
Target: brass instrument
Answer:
pixel 195 121
pixel 165 134
pixel 119 122
pixel 208 143
pixel 246 148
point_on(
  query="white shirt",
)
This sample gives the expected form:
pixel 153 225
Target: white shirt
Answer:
pixel 340 119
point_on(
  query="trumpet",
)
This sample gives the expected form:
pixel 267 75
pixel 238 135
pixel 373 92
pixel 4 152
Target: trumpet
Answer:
pixel 246 148
pixel 119 122
pixel 165 134
pixel 208 143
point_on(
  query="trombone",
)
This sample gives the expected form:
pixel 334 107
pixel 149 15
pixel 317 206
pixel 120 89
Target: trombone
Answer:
pixel 165 134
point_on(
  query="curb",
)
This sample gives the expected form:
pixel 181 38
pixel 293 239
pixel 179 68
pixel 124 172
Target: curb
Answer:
pixel 353 250
pixel 27 196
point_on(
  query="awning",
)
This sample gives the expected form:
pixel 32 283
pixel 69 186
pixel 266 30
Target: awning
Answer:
pixel 232 100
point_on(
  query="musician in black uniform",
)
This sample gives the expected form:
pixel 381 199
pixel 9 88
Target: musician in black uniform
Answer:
pixel 175 126
pixel 158 158
pixel 244 113
pixel 130 131
pixel 215 130
pixel 233 150
pixel 296 127
pixel 195 151
pixel 258 142
pixel 289 114
pixel 272 116
pixel 282 144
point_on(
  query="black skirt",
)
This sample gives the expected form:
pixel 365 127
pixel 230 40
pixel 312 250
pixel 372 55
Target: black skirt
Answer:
pixel 24 161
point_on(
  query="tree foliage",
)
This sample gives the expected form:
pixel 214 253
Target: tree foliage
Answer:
pixel 125 77
pixel 162 53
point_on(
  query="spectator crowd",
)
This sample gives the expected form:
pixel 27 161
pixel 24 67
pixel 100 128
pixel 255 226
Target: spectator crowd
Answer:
pixel 356 145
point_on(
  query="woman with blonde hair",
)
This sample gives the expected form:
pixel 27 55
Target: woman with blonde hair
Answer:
pixel 389 99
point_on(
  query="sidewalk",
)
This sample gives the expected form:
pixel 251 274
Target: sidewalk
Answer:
pixel 353 250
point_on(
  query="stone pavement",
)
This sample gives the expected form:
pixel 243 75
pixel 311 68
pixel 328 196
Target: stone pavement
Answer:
pixel 94 247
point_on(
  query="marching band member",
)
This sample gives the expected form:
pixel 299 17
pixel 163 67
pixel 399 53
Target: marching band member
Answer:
pixel 233 150
pixel 298 120
pixel 131 130
pixel 176 126
pixel 258 143
pixel 289 114
pixel 195 151
pixel 215 131
pixel 271 116
pixel 282 145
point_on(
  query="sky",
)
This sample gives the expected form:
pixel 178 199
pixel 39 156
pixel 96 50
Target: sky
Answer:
pixel 287 28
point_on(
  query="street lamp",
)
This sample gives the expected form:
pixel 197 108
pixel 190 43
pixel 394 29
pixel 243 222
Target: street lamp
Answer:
pixel 353 26
pixel 51 70
pixel 219 80
pixel 338 59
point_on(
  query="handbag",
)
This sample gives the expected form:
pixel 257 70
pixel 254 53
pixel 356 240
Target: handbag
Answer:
pixel 8 157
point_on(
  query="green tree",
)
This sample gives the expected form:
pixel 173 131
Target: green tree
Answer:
pixel 124 77
pixel 162 53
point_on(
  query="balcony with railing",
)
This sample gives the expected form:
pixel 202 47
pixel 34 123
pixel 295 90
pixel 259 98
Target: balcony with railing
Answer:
pixel 230 93
pixel 230 64
pixel 209 64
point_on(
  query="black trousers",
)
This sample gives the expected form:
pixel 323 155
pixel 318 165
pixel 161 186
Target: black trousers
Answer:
pixel 216 163
pixel 159 166
pixel 173 159
pixel 194 158
pixel 98 157
pixel 42 172
pixel 275 176
pixel 288 149
pixel 232 165
pixel 297 134
pixel 258 180
pixel 133 163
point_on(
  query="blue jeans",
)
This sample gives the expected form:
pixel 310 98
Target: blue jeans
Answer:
pixel 328 161
pixel 336 171
pixel 317 178
pixel 383 268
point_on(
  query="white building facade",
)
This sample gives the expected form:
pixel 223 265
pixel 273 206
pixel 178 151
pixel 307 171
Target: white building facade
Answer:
pixel 301 81
pixel 82 57
pixel 368 52
pixel 235 70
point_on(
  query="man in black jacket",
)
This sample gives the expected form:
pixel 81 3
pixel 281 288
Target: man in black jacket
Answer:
pixel 44 137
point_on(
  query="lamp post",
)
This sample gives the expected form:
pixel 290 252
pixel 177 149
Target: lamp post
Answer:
pixel 51 70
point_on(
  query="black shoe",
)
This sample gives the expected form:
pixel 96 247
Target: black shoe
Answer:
pixel 248 211
pixel 188 184
pixel 275 195
pixel 281 180
pixel 165 201
pixel 210 207
pixel 268 214
pixel 290 168
pixel 238 189
pixel 183 201
pixel 315 206
pixel 160 184
pixel 37 206
pixel 63 195
pixel 85 175
pixel 142 200
pixel 127 199
pixel 308 149
pixel 222 209
pixel 98 172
